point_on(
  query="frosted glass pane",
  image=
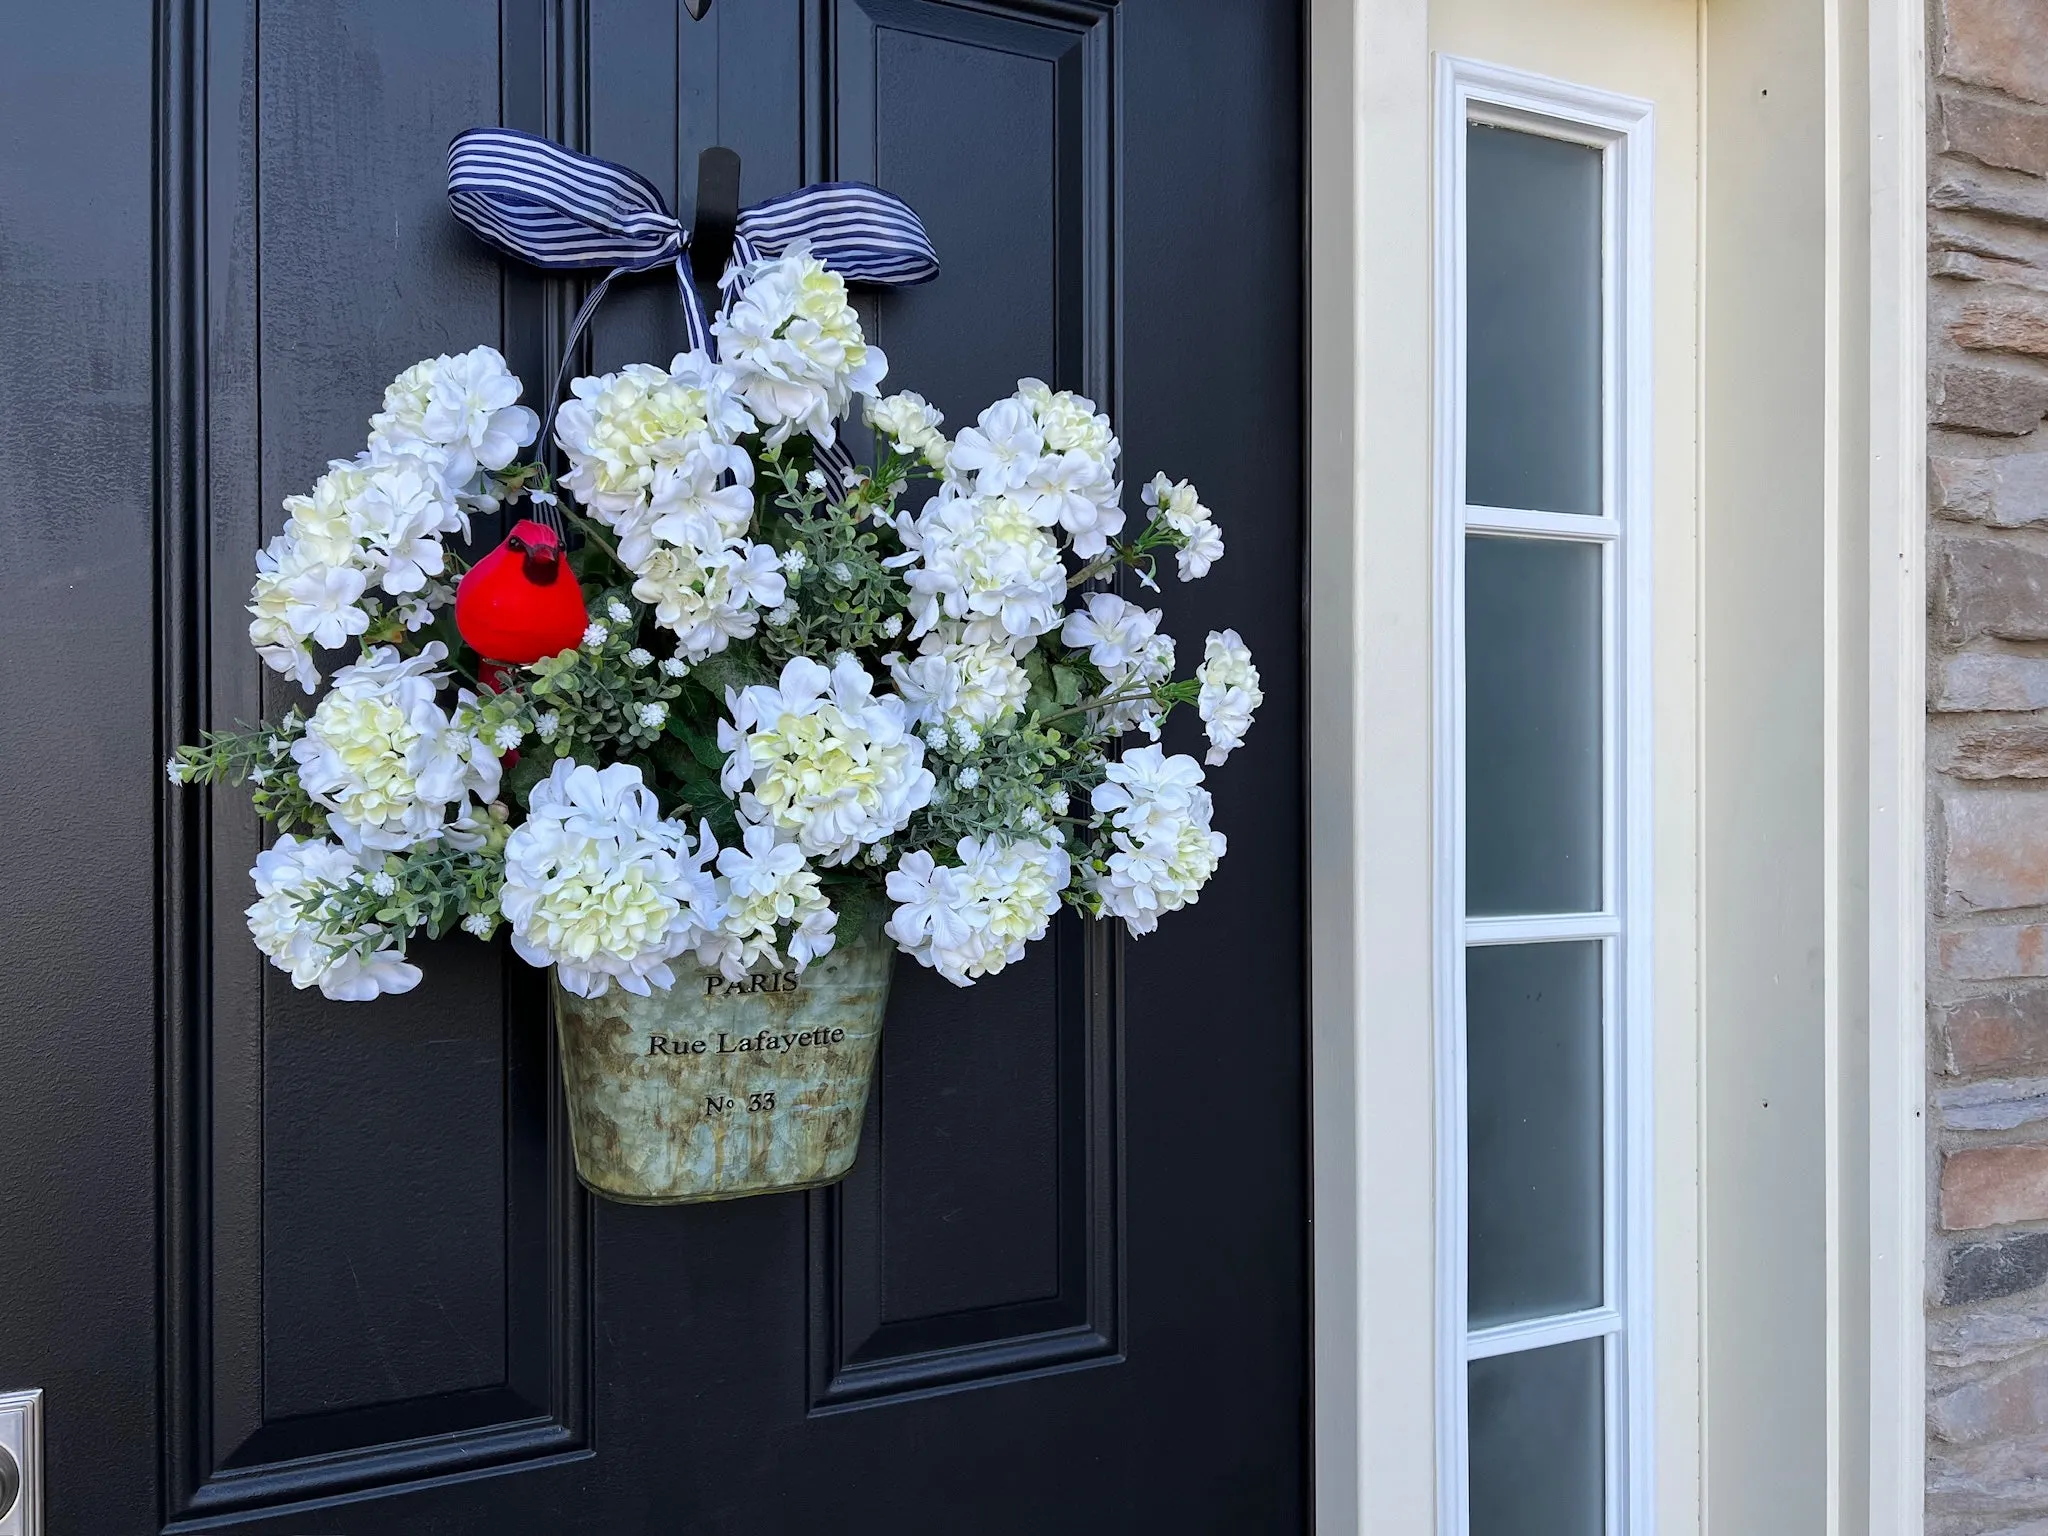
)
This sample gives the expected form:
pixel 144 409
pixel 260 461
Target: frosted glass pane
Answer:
pixel 1532 336
pixel 1533 1121
pixel 1538 1444
pixel 1532 726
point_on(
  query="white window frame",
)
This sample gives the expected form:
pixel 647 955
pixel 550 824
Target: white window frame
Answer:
pixel 1622 128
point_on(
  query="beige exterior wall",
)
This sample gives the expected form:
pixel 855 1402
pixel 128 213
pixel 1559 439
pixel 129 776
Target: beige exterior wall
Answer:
pixel 1788 704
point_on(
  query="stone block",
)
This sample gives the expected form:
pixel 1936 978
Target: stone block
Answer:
pixel 2003 320
pixel 1999 43
pixel 2003 1104
pixel 2005 1404
pixel 2004 1032
pixel 1993 401
pixel 2007 952
pixel 1978 1336
pixel 1959 186
pixel 1997 1268
pixel 1991 587
pixel 1978 680
pixel 2010 491
pixel 2006 750
pixel 1997 849
pixel 1993 1187
pixel 1999 133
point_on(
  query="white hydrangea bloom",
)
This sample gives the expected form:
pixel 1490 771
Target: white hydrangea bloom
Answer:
pixel 291 879
pixel 912 423
pixel 710 600
pixel 319 521
pixel 983 561
pixel 620 427
pixel 1198 543
pixel 383 759
pixel 764 887
pixel 1230 693
pixel 601 887
pixel 796 346
pixel 466 406
pixel 954 680
pixel 970 921
pixel 1161 848
pixel 821 758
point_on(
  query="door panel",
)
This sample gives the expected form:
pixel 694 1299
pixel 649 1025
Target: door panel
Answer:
pixel 1065 1283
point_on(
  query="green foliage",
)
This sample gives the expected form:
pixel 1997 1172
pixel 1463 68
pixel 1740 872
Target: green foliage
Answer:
pixel 261 758
pixel 843 594
pixel 432 887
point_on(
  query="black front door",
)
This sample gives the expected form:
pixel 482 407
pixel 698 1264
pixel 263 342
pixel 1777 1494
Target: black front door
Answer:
pixel 282 1265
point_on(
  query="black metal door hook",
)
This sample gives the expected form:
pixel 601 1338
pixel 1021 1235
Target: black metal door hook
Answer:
pixel 718 217
pixel 696 8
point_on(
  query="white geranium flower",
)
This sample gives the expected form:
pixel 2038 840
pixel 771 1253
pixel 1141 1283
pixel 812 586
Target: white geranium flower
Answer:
pixel 1001 449
pixel 381 757
pixel 795 344
pixel 466 406
pixel 316 602
pixel 1078 493
pixel 1143 712
pixel 600 886
pixel 764 887
pixel 397 518
pixel 1161 850
pixel 971 921
pixel 821 758
pixel 954 681
pixel 1230 693
pixel 909 421
pixel 982 560
pixel 1117 635
pixel 690 503
pixel 1070 422
pixel 1200 552
pixel 1054 455
pixel 709 600
pixel 1198 543
pixel 292 879
pixel 286 578
pixel 621 427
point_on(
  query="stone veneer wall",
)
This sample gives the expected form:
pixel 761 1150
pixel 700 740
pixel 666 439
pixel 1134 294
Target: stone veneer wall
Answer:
pixel 1987 1408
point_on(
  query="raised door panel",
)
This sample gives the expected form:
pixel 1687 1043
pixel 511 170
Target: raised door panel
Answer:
pixel 977 1235
pixel 373 1256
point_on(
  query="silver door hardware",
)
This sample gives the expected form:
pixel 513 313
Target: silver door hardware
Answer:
pixel 21 1463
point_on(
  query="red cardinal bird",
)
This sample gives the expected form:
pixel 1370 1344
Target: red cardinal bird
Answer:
pixel 521 602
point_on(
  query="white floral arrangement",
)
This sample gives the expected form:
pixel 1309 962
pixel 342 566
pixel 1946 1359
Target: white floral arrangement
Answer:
pixel 790 704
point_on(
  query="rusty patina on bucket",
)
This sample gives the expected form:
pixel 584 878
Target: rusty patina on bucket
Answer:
pixel 717 1089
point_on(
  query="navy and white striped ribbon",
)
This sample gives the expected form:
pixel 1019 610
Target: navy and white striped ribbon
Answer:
pixel 561 211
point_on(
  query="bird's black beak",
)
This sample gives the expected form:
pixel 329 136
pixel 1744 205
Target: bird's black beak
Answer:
pixel 543 562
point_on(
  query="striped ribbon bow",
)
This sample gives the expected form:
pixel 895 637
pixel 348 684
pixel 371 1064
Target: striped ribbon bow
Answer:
pixel 561 211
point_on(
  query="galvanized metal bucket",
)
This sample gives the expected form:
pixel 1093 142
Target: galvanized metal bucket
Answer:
pixel 717 1089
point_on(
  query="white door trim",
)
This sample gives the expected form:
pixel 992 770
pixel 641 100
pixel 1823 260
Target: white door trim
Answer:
pixel 1895 744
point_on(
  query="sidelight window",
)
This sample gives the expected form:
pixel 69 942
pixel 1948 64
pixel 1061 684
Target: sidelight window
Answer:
pixel 1543 989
